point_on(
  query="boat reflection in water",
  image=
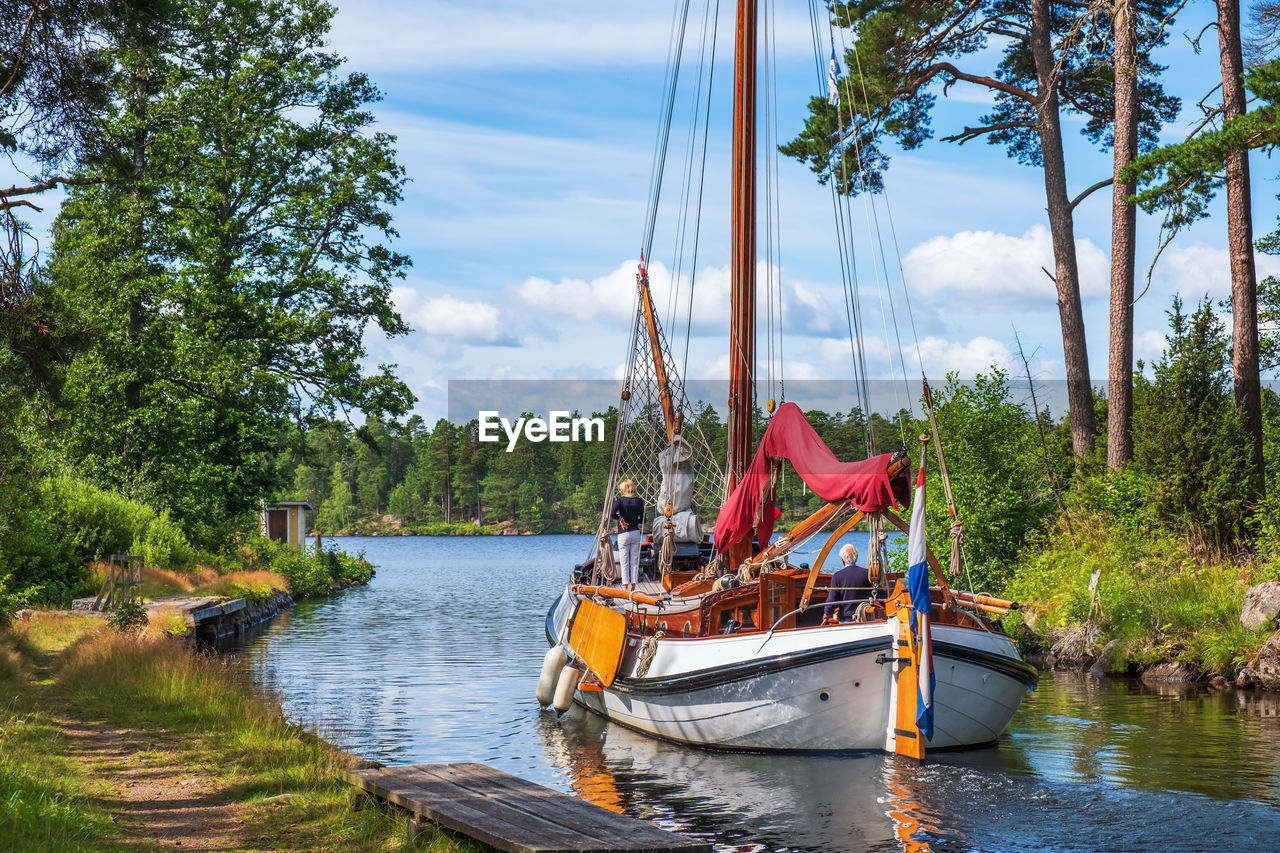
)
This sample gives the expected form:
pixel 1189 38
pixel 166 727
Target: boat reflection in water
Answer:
pixel 744 801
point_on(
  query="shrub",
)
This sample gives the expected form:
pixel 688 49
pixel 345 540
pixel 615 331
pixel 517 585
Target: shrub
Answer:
pixel 96 523
pixel 997 472
pixel 130 615
pixel 12 602
pixel 1166 604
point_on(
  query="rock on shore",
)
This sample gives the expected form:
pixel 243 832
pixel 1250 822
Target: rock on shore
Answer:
pixel 1264 671
pixel 1261 603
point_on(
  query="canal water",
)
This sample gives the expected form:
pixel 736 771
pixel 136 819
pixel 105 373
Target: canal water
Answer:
pixel 436 660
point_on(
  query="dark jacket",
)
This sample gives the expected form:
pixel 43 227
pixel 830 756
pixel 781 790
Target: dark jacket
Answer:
pixel 849 587
pixel 629 510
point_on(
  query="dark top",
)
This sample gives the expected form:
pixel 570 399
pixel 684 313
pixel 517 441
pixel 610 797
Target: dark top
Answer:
pixel 849 587
pixel 629 510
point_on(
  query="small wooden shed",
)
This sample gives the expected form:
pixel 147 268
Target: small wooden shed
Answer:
pixel 285 521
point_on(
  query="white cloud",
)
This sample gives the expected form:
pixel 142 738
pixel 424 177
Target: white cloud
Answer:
pixel 1198 269
pixel 444 325
pixel 612 294
pixel 806 308
pixel 942 356
pixel 716 368
pixel 1149 345
pixel 1000 268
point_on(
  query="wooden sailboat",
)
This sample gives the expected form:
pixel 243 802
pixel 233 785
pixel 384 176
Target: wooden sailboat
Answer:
pixel 752 665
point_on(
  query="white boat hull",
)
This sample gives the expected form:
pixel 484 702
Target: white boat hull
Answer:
pixel 813 689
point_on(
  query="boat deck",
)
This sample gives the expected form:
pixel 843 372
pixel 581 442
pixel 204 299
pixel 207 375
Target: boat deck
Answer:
pixel 513 814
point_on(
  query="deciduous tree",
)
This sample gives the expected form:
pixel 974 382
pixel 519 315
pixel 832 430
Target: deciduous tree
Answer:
pixel 232 265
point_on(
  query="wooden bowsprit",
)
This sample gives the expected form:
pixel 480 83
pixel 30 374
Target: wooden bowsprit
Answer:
pixel 513 814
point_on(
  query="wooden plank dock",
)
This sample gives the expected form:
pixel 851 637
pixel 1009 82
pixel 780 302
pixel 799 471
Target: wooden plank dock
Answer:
pixel 513 814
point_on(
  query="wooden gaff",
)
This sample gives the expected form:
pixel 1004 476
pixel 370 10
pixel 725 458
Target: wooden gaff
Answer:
pixel 844 528
pixel 655 347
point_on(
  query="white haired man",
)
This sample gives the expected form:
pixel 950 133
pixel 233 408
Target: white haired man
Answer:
pixel 849 587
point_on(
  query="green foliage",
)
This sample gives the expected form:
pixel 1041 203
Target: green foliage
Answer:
pixel 229 261
pixel 12 602
pixel 337 512
pixel 1182 178
pixel 1268 511
pixel 909 50
pixel 1188 435
pixel 97 523
pixel 1150 592
pixel 997 473
pixel 129 615
pixel 67 523
pixel 308 575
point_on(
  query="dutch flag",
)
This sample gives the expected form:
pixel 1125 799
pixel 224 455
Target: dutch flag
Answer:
pixel 918 586
pixel 833 77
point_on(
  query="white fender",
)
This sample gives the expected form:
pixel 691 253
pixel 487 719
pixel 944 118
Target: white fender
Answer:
pixel 566 686
pixel 551 666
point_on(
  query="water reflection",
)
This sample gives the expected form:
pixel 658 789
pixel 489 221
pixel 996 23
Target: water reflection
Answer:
pixel 739 801
pixel 437 661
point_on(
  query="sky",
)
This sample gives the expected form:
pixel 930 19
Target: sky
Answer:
pixel 527 131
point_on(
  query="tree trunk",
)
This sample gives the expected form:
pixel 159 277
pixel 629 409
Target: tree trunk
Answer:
pixel 133 314
pixel 1123 229
pixel 1062 229
pixel 1244 297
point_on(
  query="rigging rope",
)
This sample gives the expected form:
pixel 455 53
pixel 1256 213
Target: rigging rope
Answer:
pixel 664 124
pixel 837 178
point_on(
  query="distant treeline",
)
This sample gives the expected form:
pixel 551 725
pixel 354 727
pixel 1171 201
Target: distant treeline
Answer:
pixel 431 477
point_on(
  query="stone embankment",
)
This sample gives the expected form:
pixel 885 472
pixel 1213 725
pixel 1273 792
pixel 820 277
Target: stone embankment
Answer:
pixel 1080 647
pixel 236 620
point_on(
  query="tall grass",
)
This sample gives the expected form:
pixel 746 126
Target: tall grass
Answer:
pixel 256 585
pixel 1166 601
pixel 198 709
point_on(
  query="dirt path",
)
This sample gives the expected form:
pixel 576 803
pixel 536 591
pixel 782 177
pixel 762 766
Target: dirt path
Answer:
pixel 157 799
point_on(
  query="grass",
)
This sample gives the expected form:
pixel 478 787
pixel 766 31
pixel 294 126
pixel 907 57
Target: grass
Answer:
pixel 198 715
pixel 1166 600
pixel 44 799
pixel 256 585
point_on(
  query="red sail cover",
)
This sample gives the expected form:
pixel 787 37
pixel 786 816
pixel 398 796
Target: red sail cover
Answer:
pixel 789 436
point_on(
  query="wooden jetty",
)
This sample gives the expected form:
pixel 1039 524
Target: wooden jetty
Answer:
pixel 209 618
pixel 513 814
pixel 198 608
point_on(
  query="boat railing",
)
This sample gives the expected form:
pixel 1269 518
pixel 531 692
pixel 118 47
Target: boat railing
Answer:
pixel 802 608
pixel 977 601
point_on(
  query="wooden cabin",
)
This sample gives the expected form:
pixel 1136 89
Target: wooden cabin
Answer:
pixel 285 521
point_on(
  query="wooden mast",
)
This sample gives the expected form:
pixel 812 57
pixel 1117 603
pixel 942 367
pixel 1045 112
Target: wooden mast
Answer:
pixel 743 260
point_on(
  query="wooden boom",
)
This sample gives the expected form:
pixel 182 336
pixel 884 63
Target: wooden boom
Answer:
pixel 614 592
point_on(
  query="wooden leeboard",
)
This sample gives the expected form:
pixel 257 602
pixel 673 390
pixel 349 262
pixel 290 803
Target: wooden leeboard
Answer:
pixel 598 637
pixel 513 814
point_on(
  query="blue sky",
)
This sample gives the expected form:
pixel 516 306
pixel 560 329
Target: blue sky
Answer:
pixel 527 131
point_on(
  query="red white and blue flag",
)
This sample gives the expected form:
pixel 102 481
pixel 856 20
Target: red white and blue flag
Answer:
pixel 918 586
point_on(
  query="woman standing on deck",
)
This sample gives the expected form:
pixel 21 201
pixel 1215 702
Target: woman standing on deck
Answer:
pixel 629 510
